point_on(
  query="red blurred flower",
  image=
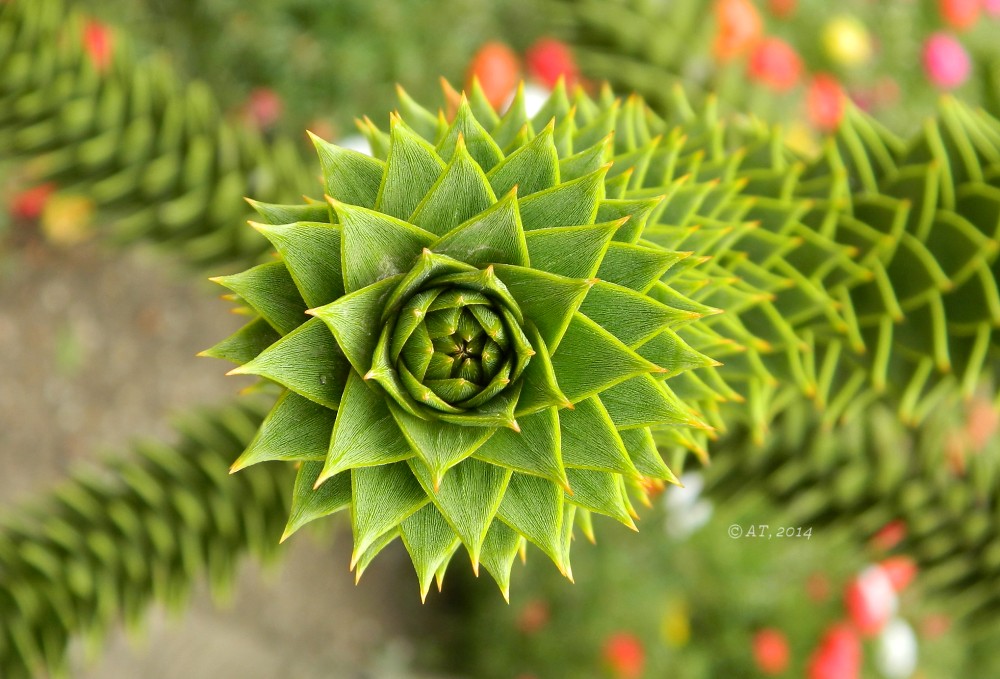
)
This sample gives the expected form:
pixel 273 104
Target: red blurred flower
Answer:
pixel 98 42
pixel 782 9
pixel 889 535
pixel 825 102
pixel 901 570
pixel 838 655
pixel 30 203
pixel 870 600
pixel 624 655
pixel 770 651
pixel 549 59
pixel 960 14
pixel 533 617
pixel 740 26
pixel 497 69
pixel 946 62
pixel 776 64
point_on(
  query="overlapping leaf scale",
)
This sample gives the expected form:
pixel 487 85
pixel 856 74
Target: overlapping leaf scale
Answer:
pixel 539 206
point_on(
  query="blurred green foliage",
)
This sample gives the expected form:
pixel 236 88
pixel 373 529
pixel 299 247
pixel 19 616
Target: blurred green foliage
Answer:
pixel 331 61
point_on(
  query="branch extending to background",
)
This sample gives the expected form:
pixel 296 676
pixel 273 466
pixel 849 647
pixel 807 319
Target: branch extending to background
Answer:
pixel 160 158
pixel 110 541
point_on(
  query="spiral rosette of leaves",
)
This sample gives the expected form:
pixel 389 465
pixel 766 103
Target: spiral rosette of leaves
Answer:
pixel 490 341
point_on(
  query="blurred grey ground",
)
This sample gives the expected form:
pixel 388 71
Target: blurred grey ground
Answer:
pixel 98 348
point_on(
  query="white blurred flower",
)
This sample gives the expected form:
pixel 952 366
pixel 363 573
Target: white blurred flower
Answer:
pixel 535 97
pixel 686 510
pixel 897 650
pixel 356 142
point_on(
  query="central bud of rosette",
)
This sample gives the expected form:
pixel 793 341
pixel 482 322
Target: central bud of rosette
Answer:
pixel 452 344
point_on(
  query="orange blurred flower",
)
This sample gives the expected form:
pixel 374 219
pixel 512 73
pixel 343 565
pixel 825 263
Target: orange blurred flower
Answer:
pixel 739 25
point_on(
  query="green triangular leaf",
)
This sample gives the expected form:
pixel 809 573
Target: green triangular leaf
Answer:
pixel 468 498
pixel 546 299
pixel 642 449
pixel 295 429
pixel 440 445
pixel 534 450
pixel 672 353
pixel 635 266
pixel 365 433
pixel 348 176
pixel 307 361
pixel 499 551
pixel 366 557
pixel 532 168
pixel 571 251
pixel 533 507
pixel 644 402
pixel 514 122
pixel 355 321
pixel 272 293
pixel 638 212
pixel 459 194
pixel 556 106
pixel 410 171
pixel 590 440
pixel 377 246
pixel 287 214
pixel 383 497
pixel 539 388
pixel 416 116
pixel 599 492
pixel 481 106
pixel 430 542
pixel 569 204
pixel 246 343
pixel 465 127
pixel 493 236
pixel 309 504
pixel 589 160
pixel 590 359
pixel 311 252
pixel 629 315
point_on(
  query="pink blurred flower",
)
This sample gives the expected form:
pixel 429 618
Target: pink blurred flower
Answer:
pixel 946 62
pixel 992 7
pixel 264 107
